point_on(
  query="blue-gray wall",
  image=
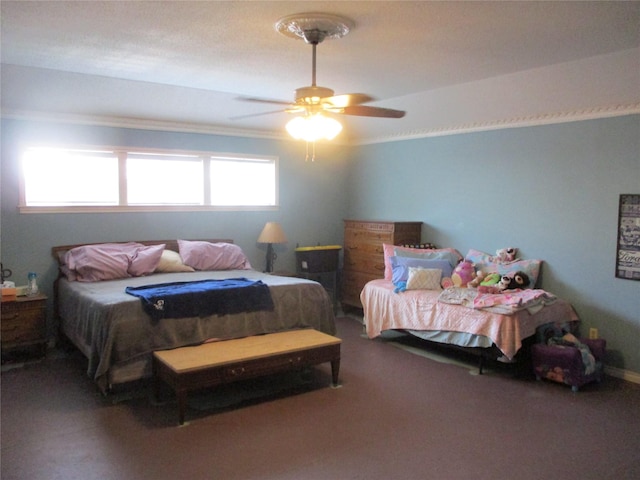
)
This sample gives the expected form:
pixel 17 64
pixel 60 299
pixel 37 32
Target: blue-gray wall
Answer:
pixel 551 191
pixel 313 196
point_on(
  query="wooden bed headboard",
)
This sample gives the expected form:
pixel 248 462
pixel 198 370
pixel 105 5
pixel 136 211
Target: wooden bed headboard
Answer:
pixel 60 250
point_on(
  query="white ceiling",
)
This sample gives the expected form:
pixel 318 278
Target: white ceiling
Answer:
pixel 188 62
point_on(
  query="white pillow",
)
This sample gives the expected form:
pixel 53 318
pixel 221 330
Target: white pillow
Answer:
pixel 424 278
pixel 170 261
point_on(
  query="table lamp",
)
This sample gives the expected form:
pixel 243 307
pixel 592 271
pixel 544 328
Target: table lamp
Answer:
pixel 271 233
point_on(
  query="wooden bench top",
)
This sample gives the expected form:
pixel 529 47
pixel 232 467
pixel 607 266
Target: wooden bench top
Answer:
pixel 207 355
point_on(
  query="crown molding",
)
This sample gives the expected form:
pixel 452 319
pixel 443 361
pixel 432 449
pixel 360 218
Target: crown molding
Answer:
pixel 514 122
pixel 140 124
pixel 185 127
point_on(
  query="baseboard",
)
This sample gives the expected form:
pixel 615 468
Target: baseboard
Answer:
pixel 627 375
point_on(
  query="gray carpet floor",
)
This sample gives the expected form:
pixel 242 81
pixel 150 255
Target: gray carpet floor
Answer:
pixel 401 413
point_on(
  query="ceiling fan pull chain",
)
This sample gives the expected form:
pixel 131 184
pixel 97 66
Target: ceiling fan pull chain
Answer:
pixel 313 152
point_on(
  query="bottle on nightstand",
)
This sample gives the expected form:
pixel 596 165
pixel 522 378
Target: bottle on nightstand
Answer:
pixel 32 284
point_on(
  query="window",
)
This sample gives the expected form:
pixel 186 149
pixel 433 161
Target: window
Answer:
pixel 95 180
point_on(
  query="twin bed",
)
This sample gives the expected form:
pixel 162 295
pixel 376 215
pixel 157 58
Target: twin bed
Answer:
pixel 492 324
pixel 117 336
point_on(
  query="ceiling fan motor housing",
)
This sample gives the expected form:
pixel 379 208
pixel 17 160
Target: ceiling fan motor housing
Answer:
pixel 313 94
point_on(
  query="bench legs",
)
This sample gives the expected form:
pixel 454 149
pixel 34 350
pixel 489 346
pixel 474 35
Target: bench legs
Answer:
pixel 207 377
pixel 181 395
pixel 335 371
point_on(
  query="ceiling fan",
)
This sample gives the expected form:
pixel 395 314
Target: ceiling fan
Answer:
pixel 314 28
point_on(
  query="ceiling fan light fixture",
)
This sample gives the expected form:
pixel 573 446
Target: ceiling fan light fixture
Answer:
pixel 314 127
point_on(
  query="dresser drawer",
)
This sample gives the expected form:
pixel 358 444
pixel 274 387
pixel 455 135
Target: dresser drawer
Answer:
pixel 357 236
pixel 352 285
pixel 372 264
pixel 364 246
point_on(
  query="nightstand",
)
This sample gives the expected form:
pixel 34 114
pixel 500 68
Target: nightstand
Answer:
pixel 24 324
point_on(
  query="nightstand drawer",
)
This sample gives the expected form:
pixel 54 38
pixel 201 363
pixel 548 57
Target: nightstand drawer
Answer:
pixel 23 322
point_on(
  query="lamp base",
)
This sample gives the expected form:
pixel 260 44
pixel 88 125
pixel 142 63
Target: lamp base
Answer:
pixel 270 258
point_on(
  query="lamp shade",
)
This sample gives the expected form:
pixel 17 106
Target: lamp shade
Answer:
pixel 272 233
pixel 314 127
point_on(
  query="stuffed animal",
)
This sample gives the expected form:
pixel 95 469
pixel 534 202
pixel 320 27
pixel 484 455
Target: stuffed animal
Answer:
pixel 480 276
pixel 518 280
pixel 505 255
pixel 463 274
pixel 484 280
pixel 512 281
pixel 491 279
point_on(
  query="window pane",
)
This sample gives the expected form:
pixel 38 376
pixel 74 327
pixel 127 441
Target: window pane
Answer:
pixel 61 177
pixel 164 180
pixel 243 182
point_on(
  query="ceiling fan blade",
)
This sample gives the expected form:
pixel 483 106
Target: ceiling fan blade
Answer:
pixel 365 111
pixel 263 100
pixel 240 117
pixel 348 99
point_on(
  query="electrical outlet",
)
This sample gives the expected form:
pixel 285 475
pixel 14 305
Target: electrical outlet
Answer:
pixel 593 333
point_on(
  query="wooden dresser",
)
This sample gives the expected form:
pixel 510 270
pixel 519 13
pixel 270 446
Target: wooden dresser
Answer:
pixel 363 252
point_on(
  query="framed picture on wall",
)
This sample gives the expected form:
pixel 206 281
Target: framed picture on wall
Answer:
pixel 628 252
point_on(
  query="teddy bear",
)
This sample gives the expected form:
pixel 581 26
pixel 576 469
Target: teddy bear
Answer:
pixel 505 255
pixel 518 279
pixel 464 273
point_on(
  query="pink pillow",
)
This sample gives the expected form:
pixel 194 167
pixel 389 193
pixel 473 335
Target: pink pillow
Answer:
pixel 145 260
pixel 106 261
pixel 389 251
pixel 213 256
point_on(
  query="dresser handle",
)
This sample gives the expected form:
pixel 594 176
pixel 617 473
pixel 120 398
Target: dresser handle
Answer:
pixel 237 371
pixel 11 317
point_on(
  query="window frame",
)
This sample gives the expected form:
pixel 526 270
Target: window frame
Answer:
pixel 124 207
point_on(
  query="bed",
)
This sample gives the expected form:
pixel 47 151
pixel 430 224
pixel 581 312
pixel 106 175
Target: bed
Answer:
pixel 493 324
pixel 116 333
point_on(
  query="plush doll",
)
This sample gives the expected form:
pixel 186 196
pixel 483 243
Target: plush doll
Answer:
pixel 512 281
pixel 480 276
pixel 518 280
pixel 463 274
pixel 490 279
pixel 505 255
pixel 484 279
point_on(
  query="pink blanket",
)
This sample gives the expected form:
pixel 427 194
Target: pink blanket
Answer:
pixel 507 302
pixel 420 310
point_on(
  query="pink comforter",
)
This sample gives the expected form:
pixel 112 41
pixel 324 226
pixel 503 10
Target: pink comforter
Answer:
pixel 420 310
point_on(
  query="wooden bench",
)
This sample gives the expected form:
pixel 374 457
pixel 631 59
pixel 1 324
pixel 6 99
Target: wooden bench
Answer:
pixel 210 364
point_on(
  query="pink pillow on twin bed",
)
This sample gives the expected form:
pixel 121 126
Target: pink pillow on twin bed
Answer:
pixel 213 256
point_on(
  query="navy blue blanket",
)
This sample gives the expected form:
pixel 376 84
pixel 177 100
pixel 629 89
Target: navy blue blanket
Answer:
pixel 202 298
